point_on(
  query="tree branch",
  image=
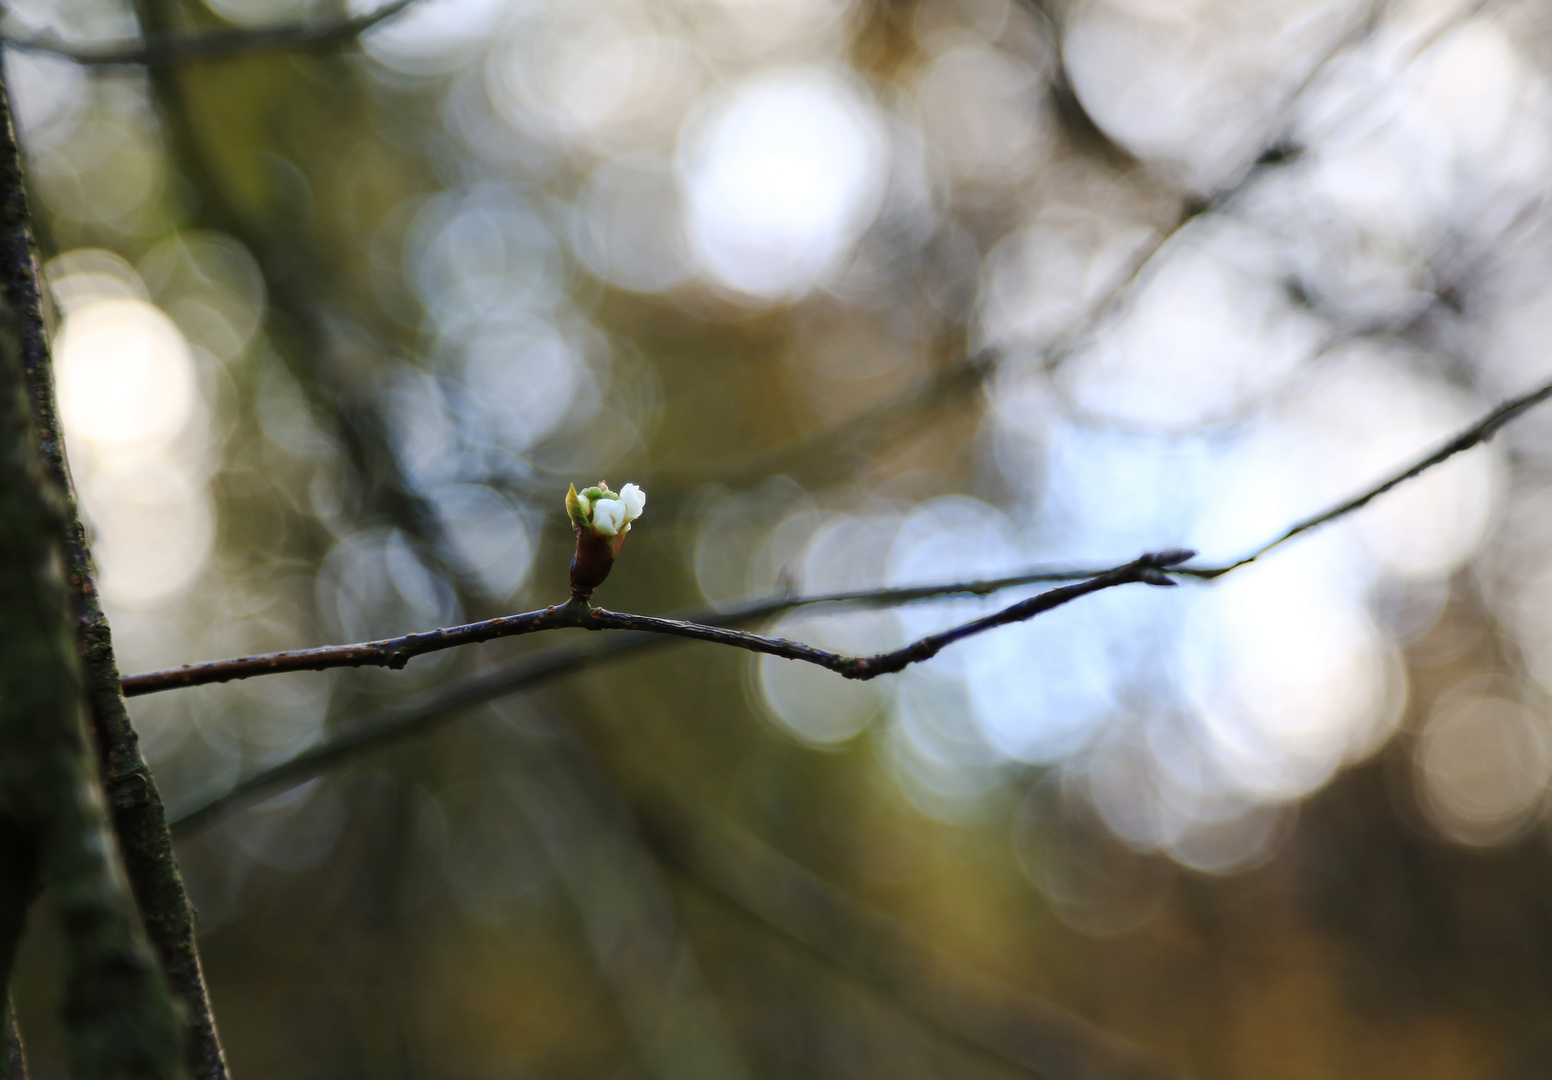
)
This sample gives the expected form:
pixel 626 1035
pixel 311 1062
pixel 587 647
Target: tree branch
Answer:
pixel 1154 569
pixel 1483 430
pixel 19 885
pixel 396 652
pixel 163 49
pixel 420 713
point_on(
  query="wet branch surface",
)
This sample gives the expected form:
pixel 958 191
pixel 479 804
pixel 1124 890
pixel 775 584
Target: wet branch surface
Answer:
pixel 163 49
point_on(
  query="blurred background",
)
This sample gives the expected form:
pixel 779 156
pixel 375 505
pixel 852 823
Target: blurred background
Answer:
pixel 863 293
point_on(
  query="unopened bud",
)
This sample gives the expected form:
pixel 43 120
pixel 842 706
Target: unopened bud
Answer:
pixel 1172 557
pixel 600 518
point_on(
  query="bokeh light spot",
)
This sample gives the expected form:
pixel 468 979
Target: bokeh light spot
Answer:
pixel 780 178
pixel 126 379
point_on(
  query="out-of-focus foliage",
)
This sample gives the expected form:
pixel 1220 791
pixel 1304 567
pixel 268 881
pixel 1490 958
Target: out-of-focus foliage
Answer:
pixel 337 330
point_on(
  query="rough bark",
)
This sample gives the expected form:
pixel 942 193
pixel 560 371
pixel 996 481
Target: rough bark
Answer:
pixel 135 806
pixel 119 1018
pixel 18 889
pixel 13 1063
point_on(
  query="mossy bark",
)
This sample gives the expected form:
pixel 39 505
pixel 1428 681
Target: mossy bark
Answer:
pixel 134 804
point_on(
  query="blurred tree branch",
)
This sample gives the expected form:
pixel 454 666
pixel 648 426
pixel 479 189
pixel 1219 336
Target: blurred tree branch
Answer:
pixel 626 914
pixel 165 49
pixel 956 382
pixel 294 319
pixel 971 1008
pixel 134 804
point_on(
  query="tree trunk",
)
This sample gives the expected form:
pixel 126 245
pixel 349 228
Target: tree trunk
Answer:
pixel 54 827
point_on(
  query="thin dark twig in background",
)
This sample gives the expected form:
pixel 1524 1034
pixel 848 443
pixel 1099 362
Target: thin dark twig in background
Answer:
pixel 212 45
pixel 960 379
pixel 420 713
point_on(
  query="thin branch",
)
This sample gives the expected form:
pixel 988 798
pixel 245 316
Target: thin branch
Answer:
pixel 155 51
pixel 1149 569
pixel 395 653
pixel 1153 569
pixel 1479 432
pixel 417 715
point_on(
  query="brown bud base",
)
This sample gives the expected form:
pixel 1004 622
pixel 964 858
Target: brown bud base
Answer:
pixel 592 562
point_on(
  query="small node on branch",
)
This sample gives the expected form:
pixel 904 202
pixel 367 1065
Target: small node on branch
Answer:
pixel 600 518
pixel 1151 567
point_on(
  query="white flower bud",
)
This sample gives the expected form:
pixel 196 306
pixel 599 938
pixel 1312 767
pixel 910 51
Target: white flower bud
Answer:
pixel 635 501
pixel 608 516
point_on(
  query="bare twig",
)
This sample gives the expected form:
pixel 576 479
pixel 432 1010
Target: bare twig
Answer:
pixel 1479 432
pixel 155 51
pixel 1153 568
pixel 396 652
pixel 420 713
